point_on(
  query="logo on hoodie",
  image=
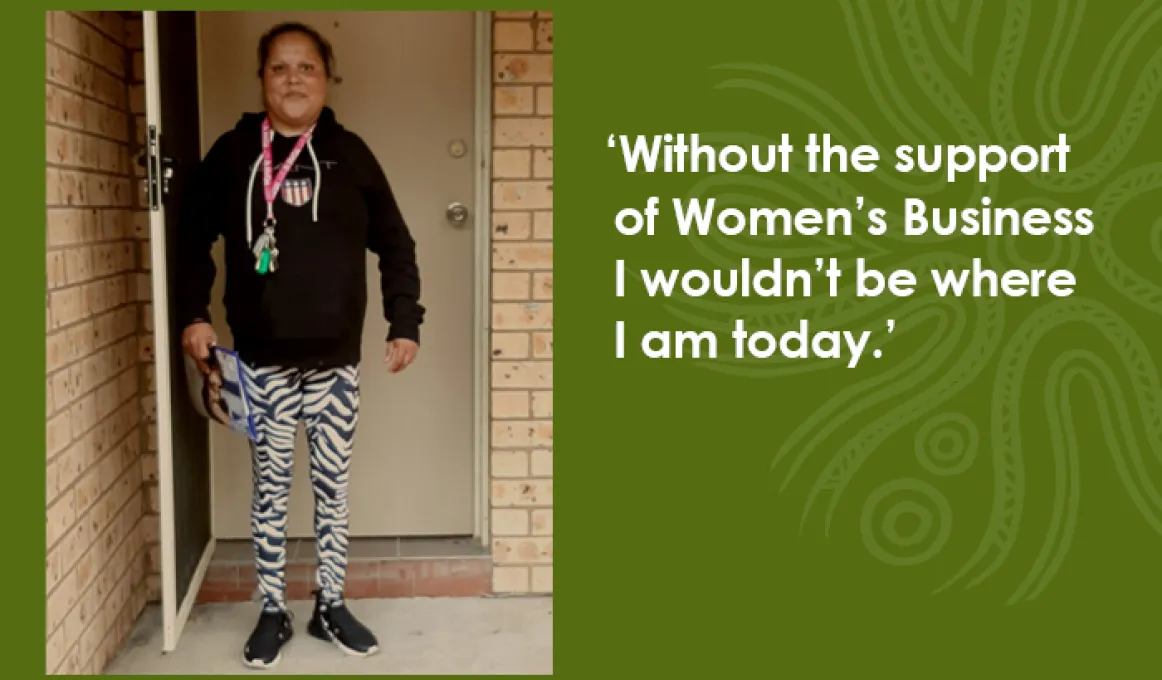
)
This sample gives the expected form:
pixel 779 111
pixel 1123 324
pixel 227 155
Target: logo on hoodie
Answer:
pixel 296 192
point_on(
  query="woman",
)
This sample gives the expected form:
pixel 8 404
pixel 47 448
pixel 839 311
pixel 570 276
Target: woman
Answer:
pixel 295 302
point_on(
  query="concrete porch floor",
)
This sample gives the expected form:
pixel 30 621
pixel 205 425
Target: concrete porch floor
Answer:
pixel 418 636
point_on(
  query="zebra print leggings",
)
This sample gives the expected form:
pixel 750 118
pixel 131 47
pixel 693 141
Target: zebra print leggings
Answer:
pixel 328 403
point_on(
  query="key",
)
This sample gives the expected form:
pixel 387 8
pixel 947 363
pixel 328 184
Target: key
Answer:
pixel 261 244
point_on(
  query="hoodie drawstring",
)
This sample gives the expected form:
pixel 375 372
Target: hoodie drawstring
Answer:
pixel 318 180
pixel 250 190
pixel 250 201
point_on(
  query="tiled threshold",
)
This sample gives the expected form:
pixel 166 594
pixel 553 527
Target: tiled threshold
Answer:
pixel 376 568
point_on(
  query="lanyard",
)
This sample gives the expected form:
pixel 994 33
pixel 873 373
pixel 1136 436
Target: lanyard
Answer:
pixel 270 187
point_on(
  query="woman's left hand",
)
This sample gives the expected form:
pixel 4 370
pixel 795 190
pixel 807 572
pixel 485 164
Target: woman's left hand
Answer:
pixel 400 354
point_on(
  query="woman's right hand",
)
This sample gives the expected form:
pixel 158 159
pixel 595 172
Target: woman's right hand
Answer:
pixel 197 340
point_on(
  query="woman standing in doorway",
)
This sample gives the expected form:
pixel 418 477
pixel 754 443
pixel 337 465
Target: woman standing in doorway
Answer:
pixel 295 303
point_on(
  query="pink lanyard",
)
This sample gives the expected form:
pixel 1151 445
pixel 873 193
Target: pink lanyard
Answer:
pixel 269 187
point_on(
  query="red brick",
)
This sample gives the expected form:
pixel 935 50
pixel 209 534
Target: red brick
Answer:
pixel 397 579
pixel 222 576
pixel 361 588
pixel 453 578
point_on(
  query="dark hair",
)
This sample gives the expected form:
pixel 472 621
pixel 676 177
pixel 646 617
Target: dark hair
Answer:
pixel 321 45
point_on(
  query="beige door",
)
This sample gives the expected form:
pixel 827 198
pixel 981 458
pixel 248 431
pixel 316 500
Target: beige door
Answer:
pixel 407 88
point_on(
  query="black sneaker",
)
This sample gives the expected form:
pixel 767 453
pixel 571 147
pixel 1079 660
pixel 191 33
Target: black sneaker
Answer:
pixel 264 648
pixel 334 622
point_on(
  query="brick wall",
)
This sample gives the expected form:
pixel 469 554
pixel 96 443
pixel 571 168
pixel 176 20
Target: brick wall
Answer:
pixel 136 81
pixel 95 561
pixel 522 303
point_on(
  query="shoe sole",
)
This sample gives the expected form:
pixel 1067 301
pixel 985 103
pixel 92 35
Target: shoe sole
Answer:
pixel 259 665
pixel 319 634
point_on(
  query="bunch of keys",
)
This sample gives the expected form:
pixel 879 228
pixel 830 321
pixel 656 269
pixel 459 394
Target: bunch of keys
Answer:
pixel 266 251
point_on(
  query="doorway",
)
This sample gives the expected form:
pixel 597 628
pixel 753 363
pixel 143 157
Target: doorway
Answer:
pixel 415 86
pixel 404 83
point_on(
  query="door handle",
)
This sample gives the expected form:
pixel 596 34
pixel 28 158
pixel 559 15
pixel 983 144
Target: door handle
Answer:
pixel 457 213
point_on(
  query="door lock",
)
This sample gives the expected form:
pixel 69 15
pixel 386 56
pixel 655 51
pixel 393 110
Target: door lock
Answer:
pixel 457 214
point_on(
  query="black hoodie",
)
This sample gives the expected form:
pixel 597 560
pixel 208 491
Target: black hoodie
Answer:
pixel 334 205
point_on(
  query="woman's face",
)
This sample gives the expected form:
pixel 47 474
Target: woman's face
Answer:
pixel 294 80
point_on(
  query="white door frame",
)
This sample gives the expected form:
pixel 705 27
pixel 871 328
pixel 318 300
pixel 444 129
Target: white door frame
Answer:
pixel 482 326
pixel 174 615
